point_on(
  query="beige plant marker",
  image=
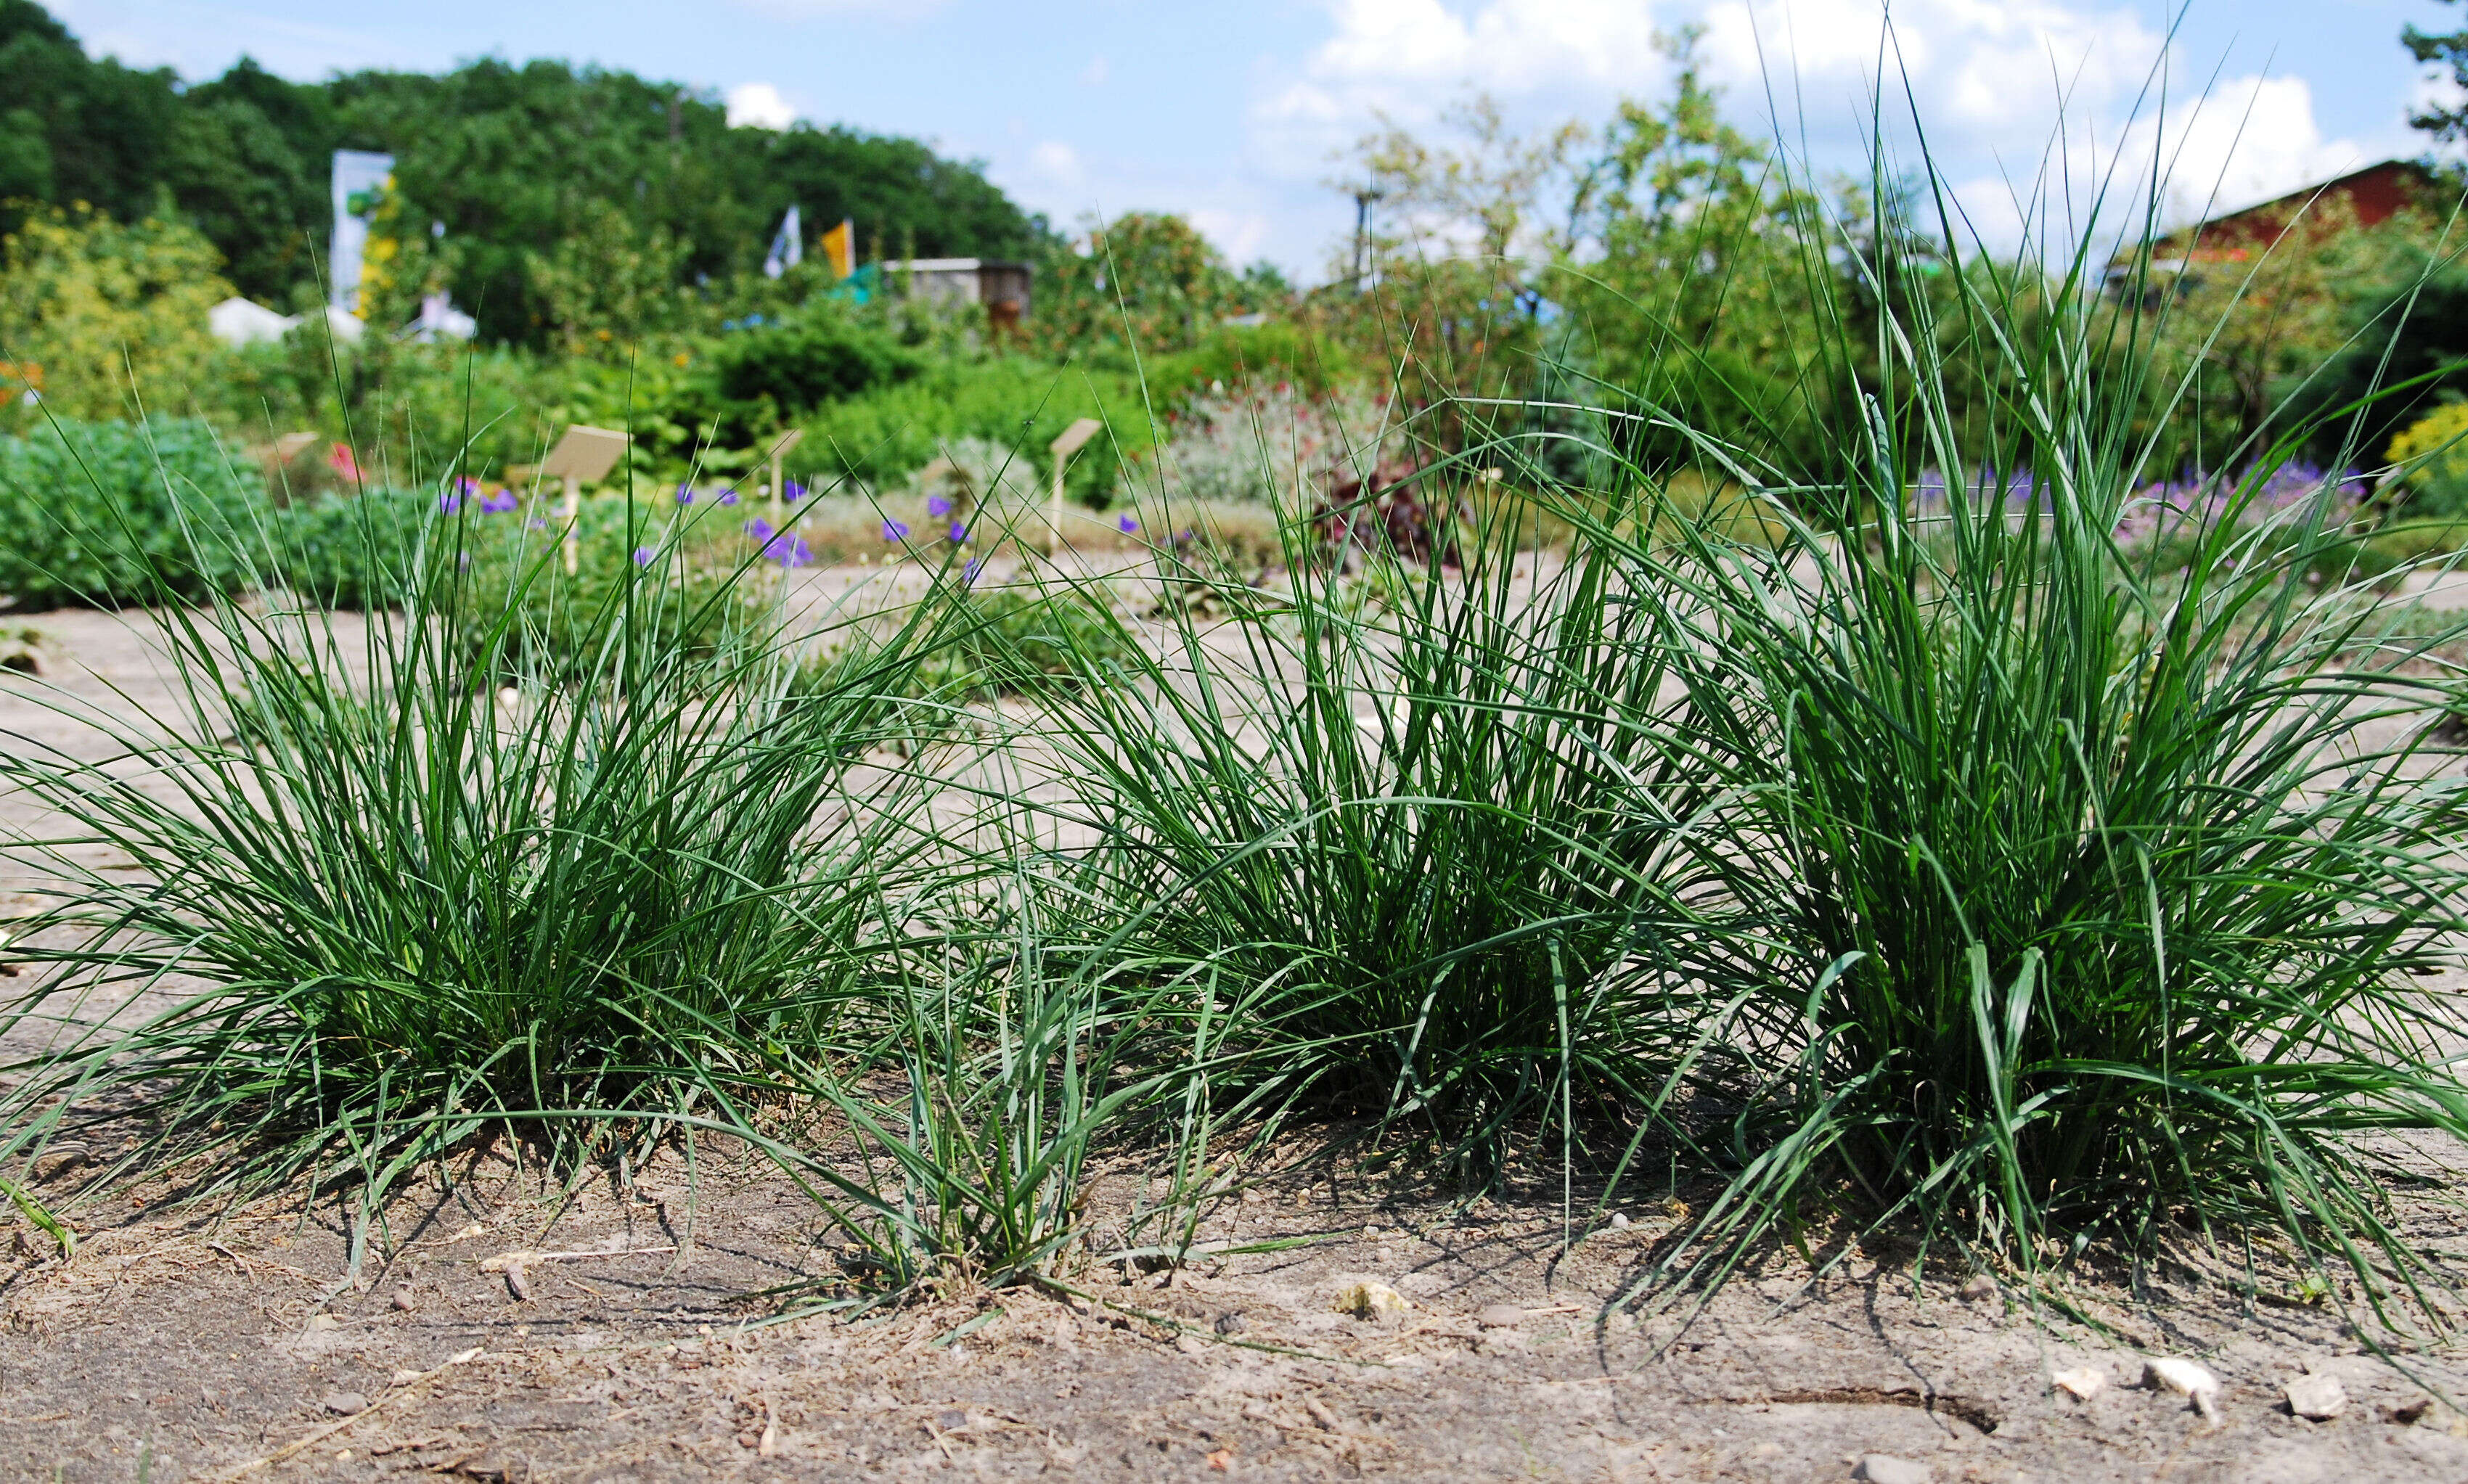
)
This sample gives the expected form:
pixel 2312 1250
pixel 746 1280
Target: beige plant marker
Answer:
pixel 584 456
pixel 1074 438
pixel 780 449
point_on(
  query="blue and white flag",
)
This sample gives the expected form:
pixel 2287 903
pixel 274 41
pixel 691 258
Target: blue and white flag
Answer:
pixel 787 246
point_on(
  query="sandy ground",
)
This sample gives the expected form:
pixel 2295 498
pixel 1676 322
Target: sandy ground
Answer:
pixel 192 1345
pixel 182 1349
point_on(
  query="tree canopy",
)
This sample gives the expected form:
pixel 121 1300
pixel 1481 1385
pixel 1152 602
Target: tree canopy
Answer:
pixel 504 162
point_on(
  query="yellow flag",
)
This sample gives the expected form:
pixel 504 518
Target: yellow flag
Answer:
pixel 839 249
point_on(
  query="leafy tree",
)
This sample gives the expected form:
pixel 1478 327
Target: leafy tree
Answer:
pixel 80 130
pixel 247 163
pixel 1687 263
pixel 2451 49
pixel 1148 278
pixel 511 161
pixel 898 189
pixel 1448 293
pixel 610 283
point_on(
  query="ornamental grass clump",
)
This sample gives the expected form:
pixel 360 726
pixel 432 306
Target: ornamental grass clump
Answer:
pixel 1430 828
pixel 368 889
pixel 2097 898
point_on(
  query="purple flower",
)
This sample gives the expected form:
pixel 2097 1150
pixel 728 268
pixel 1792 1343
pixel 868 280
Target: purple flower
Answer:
pixel 958 532
pixel 728 496
pixel 937 505
pixel 499 503
pixel 642 556
pixel 1127 525
pixel 790 550
pixel 968 573
pixel 792 492
pixel 685 495
pixel 450 501
pixel 894 529
pixel 758 527
pixel 538 523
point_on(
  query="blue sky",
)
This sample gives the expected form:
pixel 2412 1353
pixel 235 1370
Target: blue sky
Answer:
pixel 1230 112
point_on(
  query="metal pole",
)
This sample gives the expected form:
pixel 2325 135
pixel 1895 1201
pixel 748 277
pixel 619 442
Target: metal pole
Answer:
pixel 572 525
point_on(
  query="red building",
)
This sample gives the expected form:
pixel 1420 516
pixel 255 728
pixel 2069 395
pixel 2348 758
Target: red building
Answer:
pixel 2361 198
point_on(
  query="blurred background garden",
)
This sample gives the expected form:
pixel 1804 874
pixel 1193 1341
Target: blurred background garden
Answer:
pixel 529 245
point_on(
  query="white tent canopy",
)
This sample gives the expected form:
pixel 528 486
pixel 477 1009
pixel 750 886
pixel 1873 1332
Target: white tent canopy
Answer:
pixel 237 321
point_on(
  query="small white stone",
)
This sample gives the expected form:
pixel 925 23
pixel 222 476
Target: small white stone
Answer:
pixel 1373 1301
pixel 1499 1316
pixel 2317 1398
pixel 1619 1221
pixel 1886 1468
pixel 2186 1378
pixel 2081 1385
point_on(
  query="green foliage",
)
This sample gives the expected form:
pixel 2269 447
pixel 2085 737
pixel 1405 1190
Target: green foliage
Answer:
pixel 356 551
pixel 815 357
pixel 415 907
pixel 114 314
pixel 1425 845
pixel 2396 350
pixel 2449 49
pixel 1007 641
pixel 638 583
pixel 889 433
pixel 114 513
pixel 77 130
pixel 518 162
pixel 1301 355
pixel 2093 900
pixel 1692 289
pixel 1148 280
pixel 610 283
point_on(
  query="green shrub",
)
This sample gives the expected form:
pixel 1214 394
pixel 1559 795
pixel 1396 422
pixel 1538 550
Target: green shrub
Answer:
pixel 683 581
pixel 110 514
pixel 888 434
pixel 2433 464
pixel 814 358
pixel 1260 355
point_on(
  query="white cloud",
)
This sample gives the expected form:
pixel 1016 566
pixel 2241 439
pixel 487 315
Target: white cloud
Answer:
pixel 759 105
pixel 1240 235
pixel 1409 58
pixel 1985 75
pixel 2252 139
pixel 2027 105
pixel 1057 165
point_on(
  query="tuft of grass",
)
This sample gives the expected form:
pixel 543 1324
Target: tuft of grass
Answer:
pixel 1014 641
pixel 366 897
pixel 1430 828
pixel 2095 896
